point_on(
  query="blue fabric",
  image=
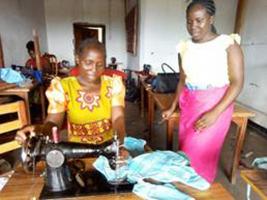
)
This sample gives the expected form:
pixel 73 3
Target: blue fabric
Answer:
pixel 11 76
pixel 159 192
pixel 134 146
pixel 37 75
pixel 165 167
pixel 162 166
pixel 102 165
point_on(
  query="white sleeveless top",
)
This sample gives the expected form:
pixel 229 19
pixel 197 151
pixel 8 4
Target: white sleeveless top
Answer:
pixel 205 64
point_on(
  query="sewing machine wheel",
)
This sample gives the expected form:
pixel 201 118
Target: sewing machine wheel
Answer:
pixel 27 153
pixel 55 158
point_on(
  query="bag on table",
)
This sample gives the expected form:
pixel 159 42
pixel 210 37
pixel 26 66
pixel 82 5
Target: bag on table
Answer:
pixel 165 82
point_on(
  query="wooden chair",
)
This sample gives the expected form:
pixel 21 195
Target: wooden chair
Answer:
pixel 52 59
pixel 6 127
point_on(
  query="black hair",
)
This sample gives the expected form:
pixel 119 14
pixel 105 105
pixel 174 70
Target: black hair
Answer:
pixel 30 45
pixel 88 44
pixel 209 6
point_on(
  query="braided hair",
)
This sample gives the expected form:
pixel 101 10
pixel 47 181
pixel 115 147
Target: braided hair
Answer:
pixel 209 6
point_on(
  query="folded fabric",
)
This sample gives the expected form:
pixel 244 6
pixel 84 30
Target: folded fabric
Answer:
pixel 159 192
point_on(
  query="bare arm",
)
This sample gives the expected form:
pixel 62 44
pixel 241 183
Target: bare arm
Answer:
pixel 118 122
pixel 166 114
pixel 46 128
pixel 236 77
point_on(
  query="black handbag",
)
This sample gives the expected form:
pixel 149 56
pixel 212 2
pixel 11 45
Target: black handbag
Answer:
pixel 165 82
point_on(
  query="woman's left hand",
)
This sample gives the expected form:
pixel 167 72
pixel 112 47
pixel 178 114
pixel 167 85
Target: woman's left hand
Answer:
pixel 206 120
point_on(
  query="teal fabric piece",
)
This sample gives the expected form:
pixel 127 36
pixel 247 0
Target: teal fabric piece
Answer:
pixel 159 192
pixel 134 146
pixel 165 167
pixel 260 163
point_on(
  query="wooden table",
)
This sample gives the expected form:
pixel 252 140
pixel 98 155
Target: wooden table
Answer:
pixel 23 92
pixel 26 186
pixel 257 179
pixel 163 101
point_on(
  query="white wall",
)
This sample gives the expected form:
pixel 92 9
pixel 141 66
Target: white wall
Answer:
pixel 162 25
pixel 133 61
pixel 61 14
pixel 17 19
pixel 254 44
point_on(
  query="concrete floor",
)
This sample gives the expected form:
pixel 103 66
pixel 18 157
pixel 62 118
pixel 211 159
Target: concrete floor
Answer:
pixel 255 142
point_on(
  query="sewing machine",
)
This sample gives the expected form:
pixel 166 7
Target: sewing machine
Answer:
pixel 58 176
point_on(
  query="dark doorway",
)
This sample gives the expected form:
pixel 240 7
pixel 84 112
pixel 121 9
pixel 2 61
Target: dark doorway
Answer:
pixel 83 31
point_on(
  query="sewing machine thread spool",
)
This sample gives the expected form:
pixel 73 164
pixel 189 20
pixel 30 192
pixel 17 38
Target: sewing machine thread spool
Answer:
pixel 55 135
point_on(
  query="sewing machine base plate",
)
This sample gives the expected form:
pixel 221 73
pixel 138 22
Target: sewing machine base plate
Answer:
pixel 96 184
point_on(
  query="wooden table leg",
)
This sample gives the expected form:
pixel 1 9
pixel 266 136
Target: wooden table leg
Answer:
pixel 142 103
pixel 42 96
pixel 27 103
pixel 170 124
pixel 150 114
pixel 241 123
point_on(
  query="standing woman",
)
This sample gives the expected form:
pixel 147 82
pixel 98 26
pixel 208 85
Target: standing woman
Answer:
pixel 212 71
pixel 92 102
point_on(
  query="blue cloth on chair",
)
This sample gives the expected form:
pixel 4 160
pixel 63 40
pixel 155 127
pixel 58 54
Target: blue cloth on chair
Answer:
pixel 11 76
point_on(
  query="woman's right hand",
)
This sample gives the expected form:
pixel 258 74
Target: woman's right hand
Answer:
pixel 24 133
pixel 167 113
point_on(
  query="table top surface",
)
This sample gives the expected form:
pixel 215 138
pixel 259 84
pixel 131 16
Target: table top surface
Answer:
pixel 5 85
pixel 258 181
pixel 28 186
pixel 18 89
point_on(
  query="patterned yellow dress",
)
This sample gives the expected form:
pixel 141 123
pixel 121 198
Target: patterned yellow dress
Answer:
pixel 88 116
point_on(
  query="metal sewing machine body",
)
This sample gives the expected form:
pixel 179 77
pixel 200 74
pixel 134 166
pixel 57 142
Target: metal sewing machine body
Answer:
pixel 57 173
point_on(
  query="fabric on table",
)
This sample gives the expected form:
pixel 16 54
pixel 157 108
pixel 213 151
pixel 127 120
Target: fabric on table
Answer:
pixel 162 166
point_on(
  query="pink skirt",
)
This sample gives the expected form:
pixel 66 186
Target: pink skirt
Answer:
pixel 203 148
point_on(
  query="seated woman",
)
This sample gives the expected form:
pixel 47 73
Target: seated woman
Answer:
pixel 94 103
pixel 113 64
pixel 31 62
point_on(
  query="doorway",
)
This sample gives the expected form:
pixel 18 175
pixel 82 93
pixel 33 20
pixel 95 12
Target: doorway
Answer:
pixel 83 31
